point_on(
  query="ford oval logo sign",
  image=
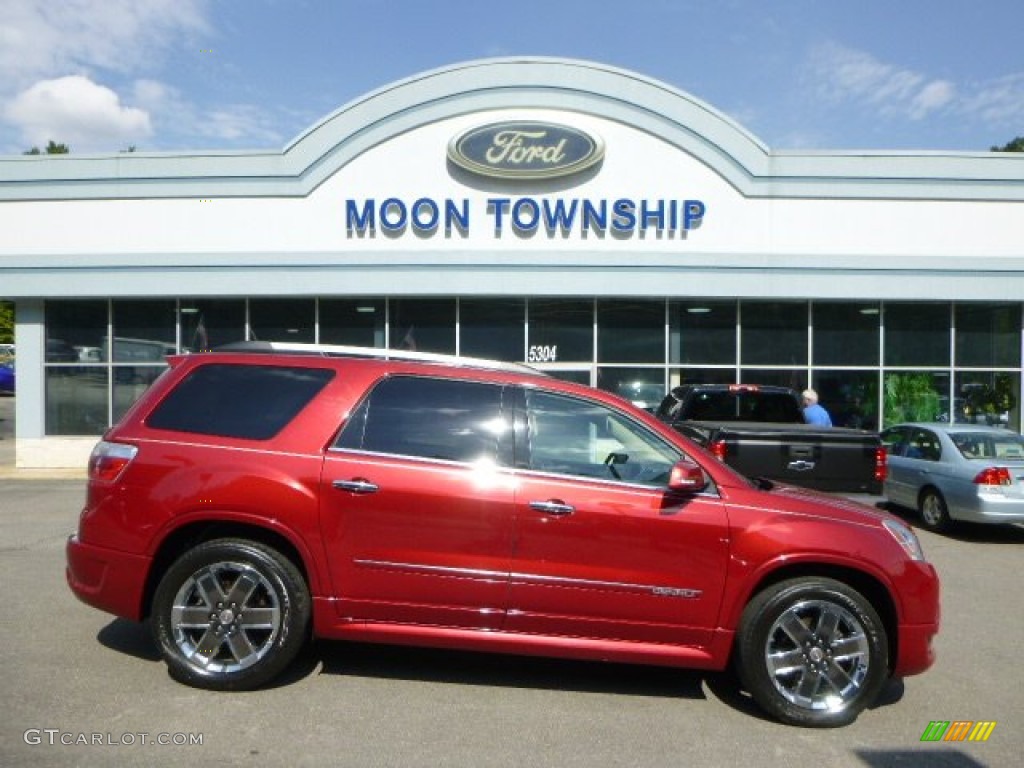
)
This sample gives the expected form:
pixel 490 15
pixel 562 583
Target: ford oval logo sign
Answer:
pixel 525 150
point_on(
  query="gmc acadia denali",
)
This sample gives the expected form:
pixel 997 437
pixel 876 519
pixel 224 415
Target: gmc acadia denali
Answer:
pixel 260 496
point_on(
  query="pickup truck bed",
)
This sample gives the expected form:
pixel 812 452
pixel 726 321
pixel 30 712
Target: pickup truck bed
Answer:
pixel 825 458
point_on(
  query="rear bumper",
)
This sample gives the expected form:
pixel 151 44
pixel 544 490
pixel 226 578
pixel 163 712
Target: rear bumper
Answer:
pixel 991 507
pixel 106 579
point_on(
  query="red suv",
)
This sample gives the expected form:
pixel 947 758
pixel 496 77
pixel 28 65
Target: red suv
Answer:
pixel 257 496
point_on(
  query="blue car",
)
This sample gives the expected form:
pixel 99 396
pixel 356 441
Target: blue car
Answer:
pixel 7 378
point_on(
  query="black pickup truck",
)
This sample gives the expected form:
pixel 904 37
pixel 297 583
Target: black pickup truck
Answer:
pixel 760 431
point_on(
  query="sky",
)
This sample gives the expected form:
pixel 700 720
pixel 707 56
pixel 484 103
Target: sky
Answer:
pixel 103 76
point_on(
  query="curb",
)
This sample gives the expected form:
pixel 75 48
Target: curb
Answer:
pixel 14 473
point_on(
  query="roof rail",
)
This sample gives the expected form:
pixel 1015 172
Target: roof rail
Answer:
pixel 337 350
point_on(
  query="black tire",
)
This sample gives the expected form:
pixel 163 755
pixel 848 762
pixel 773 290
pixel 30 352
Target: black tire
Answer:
pixel 812 652
pixel 230 614
pixel 933 511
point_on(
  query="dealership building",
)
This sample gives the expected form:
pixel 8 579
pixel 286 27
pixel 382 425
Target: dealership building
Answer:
pixel 601 225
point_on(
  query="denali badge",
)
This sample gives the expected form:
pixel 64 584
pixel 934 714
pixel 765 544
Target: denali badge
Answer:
pixel 525 150
pixel 675 592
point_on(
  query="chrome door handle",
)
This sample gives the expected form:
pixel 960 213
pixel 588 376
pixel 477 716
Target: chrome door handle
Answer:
pixel 552 507
pixel 355 486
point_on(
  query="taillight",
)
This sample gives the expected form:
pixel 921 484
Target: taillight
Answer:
pixel 718 449
pixel 993 476
pixel 881 464
pixel 108 460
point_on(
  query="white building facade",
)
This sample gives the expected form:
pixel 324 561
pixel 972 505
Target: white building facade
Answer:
pixel 601 225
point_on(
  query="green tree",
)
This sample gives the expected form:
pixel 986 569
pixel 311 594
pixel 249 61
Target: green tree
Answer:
pixel 53 148
pixel 6 322
pixel 1017 145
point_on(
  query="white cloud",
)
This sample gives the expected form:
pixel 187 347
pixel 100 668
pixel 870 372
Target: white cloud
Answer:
pixel 999 102
pixel 76 111
pixel 173 115
pixel 42 38
pixel 845 74
pixel 93 75
pixel 234 122
pixel 935 95
pixel 53 57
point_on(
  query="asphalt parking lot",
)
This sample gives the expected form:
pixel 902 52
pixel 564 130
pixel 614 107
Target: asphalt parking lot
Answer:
pixel 83 688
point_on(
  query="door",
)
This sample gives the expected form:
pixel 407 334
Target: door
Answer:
pixel 417 509
pixel 602 549
pixel 916 466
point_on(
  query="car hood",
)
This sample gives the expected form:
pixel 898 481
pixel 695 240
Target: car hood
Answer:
pixel 805 501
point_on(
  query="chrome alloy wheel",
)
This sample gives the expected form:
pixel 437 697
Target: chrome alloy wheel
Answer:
pixel 225 617
pixel 817 655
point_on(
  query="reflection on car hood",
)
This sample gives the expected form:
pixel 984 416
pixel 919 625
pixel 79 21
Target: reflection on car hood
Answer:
pixel 820 504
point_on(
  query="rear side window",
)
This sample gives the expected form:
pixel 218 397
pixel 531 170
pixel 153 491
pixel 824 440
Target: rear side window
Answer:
pixel 923 444
pixel 433 419
pixel 254 402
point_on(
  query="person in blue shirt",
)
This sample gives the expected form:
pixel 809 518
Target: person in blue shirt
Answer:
pixel 814 413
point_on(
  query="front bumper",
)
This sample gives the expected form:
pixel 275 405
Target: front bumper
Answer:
pixel 107 579
pixel 917 649
pixel 920 619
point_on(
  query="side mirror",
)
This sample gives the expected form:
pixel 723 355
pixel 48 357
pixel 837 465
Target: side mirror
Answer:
pixel 687 477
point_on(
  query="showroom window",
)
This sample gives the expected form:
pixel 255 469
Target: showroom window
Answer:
pixel 560 330
pixel 988 335
pixel 492 328
pixel 144 334
pixel 209 323
pixel 794 378
pixel 845 333
pixel 702 332
pixel 144 331
pixel 353 322
pixel 76 331
pixel 423 325
pixel 987 397
pixel 76 382
pixel 916 396
pixel 282 320
pixel 849 396
pixel 679 376
pixel 939 360
pixel 916 334
pixel 773 333
pixel 630 331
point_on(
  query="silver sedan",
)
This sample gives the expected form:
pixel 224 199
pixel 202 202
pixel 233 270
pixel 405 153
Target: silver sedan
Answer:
pixel 950 472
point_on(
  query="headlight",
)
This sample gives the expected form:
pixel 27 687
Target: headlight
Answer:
pixel 906 538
